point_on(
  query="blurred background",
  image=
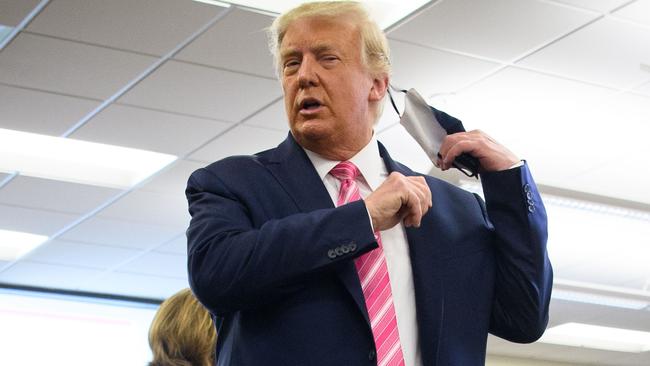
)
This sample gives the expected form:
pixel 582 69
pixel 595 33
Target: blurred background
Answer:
pixel 106 107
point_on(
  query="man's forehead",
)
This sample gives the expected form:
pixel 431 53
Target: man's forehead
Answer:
pixel 316 34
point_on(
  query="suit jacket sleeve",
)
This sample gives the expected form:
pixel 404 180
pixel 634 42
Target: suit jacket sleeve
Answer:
pixel 524 275
pixel 242 255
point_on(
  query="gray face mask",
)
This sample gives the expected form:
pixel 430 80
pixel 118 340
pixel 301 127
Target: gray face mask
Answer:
pixel 420 122
pixel 429 127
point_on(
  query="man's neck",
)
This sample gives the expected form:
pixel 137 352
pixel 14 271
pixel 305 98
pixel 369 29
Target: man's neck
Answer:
pixel 335 151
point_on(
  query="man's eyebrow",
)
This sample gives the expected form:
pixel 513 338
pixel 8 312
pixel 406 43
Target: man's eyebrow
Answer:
pixel 320 48
pixel 289 53
pixel 316 49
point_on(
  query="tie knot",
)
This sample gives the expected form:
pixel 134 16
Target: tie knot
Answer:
pixel 345 170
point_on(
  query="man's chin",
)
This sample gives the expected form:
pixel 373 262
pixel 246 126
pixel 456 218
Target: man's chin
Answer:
pixel 311 133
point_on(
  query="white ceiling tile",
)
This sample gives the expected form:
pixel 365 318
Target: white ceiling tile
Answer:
pixel 642 283
pixel 544 119
pixel 635 359
pixel 80 254
pixel 173 181
pixel 175 246
pixel 543 353
pixel 149 130
pixel 403 148
pixel 137 285
pixel 148 26
pixel 54 195
pixel 432 72
pixel 624 318
pixel 607 52
pixel 203 91
pixel 237 42
pixel 46 275
pixel 120 233
pixel 151 208
pixel 41 112
pixel 623 158
pixel 638 11
pixel 644 89
pixel 157 264
pixel 273 117
pixel 242 140
pixel 33 221
pixel 498 29
pixel 597 5
pixel 606 179
pixel 68 67
pixel 12 12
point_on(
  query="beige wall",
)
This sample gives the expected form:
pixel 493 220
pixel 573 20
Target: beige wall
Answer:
pixel 511 361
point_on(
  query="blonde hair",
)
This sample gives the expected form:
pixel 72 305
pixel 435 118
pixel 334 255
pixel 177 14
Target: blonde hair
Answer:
pixel 182 333
pixel 375 54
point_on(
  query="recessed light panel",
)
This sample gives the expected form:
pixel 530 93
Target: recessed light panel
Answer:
pixel 385 13
pixel 77 161
pixel 14 244
pixel 598 337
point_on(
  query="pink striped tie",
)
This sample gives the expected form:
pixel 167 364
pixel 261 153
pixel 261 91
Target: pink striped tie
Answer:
pixel 373 274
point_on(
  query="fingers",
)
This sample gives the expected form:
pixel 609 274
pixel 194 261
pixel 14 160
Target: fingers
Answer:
pixel 399 198
pixel 418 202
pixel 491 155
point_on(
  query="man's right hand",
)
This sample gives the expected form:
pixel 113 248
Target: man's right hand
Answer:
pixel 399 198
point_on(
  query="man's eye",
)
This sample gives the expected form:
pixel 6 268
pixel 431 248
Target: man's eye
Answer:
pixel 290 64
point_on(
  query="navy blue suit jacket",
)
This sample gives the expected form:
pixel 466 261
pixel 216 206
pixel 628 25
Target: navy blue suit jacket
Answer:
pixel 272 259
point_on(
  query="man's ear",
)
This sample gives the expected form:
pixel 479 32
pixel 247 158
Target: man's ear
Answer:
pixel 378 90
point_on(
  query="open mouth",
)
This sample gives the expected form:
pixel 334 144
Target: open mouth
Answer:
pixel 310 104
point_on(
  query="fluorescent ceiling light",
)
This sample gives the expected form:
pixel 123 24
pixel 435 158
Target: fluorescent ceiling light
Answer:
pixel 599 299
pixel 77 161
pixel 385 13
pixel 214 2
pixel 4 32
pixel 14 244
pixel 598 337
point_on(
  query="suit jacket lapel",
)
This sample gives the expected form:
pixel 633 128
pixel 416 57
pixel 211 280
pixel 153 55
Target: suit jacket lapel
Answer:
pixel 293 169
pixel 427 281
pixel 295 172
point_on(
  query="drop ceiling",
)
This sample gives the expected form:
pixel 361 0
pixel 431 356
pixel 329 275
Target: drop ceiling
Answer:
pixel 559 82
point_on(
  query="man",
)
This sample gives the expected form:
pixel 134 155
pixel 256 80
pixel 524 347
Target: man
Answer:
pixel 297 270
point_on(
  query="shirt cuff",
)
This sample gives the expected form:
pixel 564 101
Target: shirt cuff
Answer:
pixel 515 165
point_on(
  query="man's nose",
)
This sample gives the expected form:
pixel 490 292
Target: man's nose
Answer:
pixel 307 73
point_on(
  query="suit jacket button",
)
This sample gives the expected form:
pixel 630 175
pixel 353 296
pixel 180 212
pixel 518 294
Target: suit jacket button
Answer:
pixel 531 208
pixel 345 249
pixel 338 251
pixel 352 247
pixel 526 187
pixel 372 355
pixel 331 253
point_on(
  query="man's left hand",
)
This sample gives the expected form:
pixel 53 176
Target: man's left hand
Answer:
pixel 491 155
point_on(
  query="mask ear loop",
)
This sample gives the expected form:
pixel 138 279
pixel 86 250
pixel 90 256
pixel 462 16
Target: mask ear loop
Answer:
pixel 392 101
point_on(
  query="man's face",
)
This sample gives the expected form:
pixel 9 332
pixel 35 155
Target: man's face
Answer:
pixel 327 89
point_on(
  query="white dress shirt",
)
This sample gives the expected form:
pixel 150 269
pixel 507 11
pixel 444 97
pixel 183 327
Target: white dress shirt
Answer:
pixel 394 243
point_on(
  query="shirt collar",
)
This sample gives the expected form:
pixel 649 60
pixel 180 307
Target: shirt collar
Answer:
pixel 368 161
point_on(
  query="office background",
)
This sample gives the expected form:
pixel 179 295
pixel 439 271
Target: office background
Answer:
pixel 565 84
